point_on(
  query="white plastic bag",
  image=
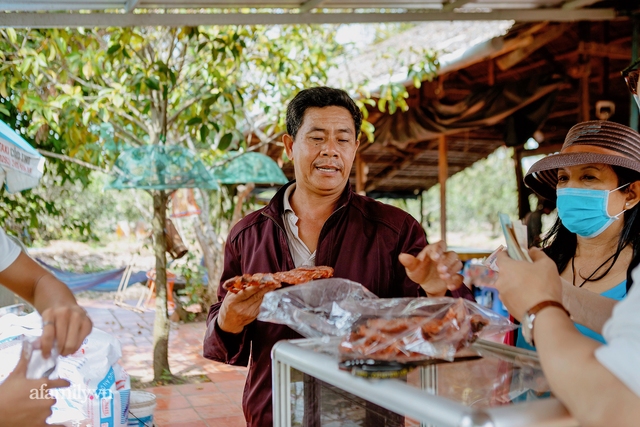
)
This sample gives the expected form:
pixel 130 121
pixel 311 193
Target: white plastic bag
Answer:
pixel 99 392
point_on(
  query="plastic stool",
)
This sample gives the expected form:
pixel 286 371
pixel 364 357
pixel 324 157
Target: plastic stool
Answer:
pixel 151 283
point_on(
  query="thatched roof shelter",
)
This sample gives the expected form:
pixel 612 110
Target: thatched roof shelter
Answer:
pixel 559 71
pixel 538 78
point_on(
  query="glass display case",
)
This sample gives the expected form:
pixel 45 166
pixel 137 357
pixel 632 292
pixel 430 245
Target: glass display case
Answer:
pixel 489 385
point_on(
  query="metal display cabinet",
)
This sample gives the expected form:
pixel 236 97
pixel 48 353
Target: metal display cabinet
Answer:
pixel 501 387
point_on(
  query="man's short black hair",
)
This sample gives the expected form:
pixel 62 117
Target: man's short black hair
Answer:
pixel 320 97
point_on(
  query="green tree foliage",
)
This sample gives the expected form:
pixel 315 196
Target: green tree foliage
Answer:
pixel 89 94
pixel 187 86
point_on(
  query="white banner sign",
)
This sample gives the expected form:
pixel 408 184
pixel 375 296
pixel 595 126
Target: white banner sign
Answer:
pixel 16 158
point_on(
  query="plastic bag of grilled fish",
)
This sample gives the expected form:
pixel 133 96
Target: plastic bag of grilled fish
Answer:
pixel 380 328
pixel 414 329
pixel 315 309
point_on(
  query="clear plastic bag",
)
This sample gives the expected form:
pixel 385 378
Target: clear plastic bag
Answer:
pixel 39 367
pixel 315 309
pixel 386 329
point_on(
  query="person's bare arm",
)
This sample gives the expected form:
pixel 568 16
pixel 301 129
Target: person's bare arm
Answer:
pixel 591 393
pixel 63 319
pixel 587 308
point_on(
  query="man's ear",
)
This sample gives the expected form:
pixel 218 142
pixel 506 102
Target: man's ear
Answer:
pixel 287 140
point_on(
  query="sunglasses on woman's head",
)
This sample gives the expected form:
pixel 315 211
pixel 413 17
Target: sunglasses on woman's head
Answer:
pixel 631 76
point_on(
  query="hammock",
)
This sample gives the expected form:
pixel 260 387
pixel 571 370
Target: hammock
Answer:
pixel 105 281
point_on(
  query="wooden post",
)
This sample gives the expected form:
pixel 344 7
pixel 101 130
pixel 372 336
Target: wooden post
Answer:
pixel 492 72
pixel 633 118
pixel 523 195
pixel 584 96
pixel 443 173
pixel 584 61
pixel 361 178
pixel 422 208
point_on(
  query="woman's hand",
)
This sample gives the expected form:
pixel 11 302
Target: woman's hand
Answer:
pixel 523 284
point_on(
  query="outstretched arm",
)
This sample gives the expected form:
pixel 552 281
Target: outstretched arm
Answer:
pixel 64 320
pixel 435 269
pixel 568 357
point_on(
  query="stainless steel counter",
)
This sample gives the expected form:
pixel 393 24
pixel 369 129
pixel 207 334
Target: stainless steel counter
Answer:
pixel 503 386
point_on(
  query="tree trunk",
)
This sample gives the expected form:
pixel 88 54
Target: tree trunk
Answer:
pixel 243 192
pixel 161 324
pixel 212 249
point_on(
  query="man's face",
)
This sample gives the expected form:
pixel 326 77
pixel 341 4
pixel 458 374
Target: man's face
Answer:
pixel 323 150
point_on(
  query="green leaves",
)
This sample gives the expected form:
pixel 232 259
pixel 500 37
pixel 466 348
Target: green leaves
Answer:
pixel 225 141
pixel 152 83
pixel 204 133
pixel 114 48
pixel 194 121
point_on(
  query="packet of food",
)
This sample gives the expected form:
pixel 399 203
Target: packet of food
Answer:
pixel 490 261
pixel 39 366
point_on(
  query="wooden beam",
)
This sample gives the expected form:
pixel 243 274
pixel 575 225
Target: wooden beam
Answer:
pixel 578 4
pixel 562 113
pixel 393 172
pixel 443 173
pixel 513 58
pixel 130 5
pixel 309 5
pixel 604 50
pixel 454 5
pixel 19 19
pixel 545 149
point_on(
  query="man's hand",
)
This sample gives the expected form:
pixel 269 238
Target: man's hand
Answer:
pixel 63 319
pixel 523 284
pixel 67 325
pixel 25 402
pixel 238 310
pixel 435 269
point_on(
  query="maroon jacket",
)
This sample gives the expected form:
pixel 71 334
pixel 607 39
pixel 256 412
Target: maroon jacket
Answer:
pixel 361 240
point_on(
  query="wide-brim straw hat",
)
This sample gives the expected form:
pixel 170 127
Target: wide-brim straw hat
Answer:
pixel 596 141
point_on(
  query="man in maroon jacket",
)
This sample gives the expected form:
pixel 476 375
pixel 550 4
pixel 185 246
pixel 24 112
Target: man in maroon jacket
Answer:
pixel 318 220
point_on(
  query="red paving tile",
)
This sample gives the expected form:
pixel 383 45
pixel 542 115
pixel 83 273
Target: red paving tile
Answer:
pixel 230 386
pixel 211 404
pixel 210 399
pixel 175 416
pixel 235 421
pixel 200 388
pixel 171 402
pixel 226 376
pixel 198 423
pixel 216 411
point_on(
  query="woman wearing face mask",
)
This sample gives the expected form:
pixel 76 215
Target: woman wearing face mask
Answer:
pixel 595 243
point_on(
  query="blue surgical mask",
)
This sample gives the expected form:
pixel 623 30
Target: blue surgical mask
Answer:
pixel 584 211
